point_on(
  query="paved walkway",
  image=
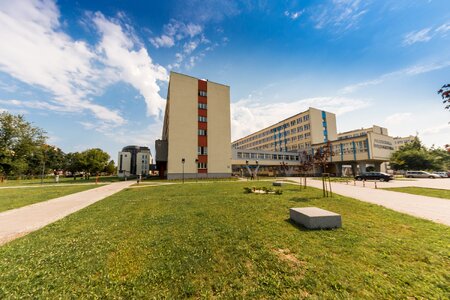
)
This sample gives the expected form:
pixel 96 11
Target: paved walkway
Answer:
pixel 21 221
pixel 430 208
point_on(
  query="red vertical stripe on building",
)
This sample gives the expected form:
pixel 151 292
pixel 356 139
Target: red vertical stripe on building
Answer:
pixel 202 140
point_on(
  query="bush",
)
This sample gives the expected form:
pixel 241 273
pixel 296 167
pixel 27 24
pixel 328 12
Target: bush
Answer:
pixel 247 190
pixel 278 192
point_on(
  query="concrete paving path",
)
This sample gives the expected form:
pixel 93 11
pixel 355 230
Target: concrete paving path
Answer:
pixel 18 222
pixel 430 208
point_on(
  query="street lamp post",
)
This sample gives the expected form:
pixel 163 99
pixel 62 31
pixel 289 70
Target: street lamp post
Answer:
pixel 248 169
pixel 196 174
pixel 256 170
pixel 182 162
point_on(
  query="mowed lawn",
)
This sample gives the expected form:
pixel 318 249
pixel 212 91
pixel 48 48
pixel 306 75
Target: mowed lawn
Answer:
pixel 214 241
pixel 62 180
pixel 438 193
pixel 18 197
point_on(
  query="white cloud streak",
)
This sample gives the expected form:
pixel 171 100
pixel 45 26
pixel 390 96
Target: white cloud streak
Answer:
pixel 410 71
pixel 425 34
pixel 398 118
pixel 339 14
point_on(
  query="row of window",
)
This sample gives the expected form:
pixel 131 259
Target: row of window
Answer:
pixel 279 136
pixel 202 150
pixel 202 93
pixel 279 129
pixel 267 156
pixel 202 132
pixel 202 165
pixel 202 119
pixel 202 105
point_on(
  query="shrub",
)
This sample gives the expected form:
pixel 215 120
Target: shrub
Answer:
pixel 247 190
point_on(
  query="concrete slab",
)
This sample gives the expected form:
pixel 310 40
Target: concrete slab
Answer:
pixel 276 183
pixel 315 218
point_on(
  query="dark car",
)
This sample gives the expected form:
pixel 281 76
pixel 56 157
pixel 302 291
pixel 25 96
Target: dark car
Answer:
pixel 374 176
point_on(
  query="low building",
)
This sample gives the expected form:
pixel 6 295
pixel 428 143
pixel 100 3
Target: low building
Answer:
pixel 134 161
pixel 358 150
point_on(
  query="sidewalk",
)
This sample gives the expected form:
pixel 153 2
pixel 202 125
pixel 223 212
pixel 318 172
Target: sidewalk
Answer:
pixel 21 221
pixel 430 208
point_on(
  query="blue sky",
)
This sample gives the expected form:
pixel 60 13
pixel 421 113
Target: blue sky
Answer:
pixel 95 73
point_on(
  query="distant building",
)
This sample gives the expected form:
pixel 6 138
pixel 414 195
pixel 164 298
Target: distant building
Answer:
pixel 400 141
pixel 296 133
pixel 133 161
pixel 196 133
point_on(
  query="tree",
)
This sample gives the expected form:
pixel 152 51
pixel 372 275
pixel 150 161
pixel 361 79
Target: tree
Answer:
pixel 110 168
pixel 445 94
pixel 20 143
pixel 94 160
pixel 415 156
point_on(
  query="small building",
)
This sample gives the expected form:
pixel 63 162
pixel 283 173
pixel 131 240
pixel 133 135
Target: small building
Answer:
pixel 134 161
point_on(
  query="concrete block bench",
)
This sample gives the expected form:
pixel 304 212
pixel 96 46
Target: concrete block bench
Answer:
pixel 276 183
pixel 315 218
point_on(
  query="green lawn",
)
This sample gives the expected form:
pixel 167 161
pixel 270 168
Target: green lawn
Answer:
pixel 18 197
pixel 438 193
pixel 62 180
pixel 214 241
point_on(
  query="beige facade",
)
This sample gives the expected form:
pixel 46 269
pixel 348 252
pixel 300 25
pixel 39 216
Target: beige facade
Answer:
pixel 400 141
pixel 196 129
pixel 134 161
pixel 296 133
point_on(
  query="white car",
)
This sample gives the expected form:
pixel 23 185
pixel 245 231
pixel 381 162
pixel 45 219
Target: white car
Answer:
pixel 420 174
pixel 441 174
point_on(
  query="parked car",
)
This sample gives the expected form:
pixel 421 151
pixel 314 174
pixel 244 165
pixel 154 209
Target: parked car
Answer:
pixel 420 174
pixel 441 174
pixel 374 176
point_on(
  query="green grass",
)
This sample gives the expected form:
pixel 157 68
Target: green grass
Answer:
pixel 214 241
pixel 62 180
pixel 18 197
pixel 438 193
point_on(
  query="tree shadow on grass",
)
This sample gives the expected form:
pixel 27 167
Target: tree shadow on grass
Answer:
pixel 303 199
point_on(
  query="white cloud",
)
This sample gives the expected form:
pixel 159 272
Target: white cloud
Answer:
pixel 426 34
pixel 249 115
pixel 38 52
pixel 340 14
pixel 132 66
pixel 293 15
pixel 417 36
pixel 398 118
pixel 440 129
pixel 410 71
pixel 175 31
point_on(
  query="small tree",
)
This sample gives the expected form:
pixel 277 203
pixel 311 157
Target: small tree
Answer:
pixel 445 94
pixel 321 158
pixel 305 165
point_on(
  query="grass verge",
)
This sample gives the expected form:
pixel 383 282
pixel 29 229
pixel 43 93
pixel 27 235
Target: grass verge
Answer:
pixel 18 197
pixel 65 180
pixel 438 193
pixel 214 241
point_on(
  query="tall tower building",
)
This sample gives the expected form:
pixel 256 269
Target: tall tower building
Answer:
pixel 196 134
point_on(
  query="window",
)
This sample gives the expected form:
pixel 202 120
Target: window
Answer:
pixel 202 165
pixel 202 132
pixel 202 151
pixel 202 106
pixel 202 93
pixel 202 119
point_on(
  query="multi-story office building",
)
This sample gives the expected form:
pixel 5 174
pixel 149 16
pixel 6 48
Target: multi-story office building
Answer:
pixel 400 141
pixel 296 133
pixel 359 149
pixel 196 132
pixel 133 161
